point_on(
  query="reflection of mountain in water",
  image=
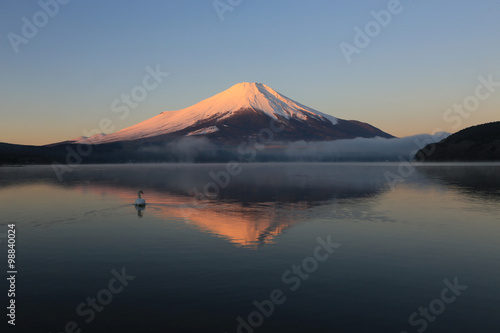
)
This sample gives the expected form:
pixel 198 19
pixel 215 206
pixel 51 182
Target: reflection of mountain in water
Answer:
pixel 255 206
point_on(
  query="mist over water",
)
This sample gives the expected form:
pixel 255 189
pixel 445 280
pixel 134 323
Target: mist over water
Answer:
pixel 196 149
pixel 363 149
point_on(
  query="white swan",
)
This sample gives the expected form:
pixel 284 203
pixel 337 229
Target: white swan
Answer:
pixel 139 201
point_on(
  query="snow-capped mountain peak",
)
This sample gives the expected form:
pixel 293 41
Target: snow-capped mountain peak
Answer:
pixel 240 97
pixel 260 97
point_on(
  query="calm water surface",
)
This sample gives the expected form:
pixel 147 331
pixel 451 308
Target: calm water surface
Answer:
pixel 421 255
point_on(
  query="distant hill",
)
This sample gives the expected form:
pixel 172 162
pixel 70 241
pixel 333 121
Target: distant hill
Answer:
pixel 22 154
pixel 476 143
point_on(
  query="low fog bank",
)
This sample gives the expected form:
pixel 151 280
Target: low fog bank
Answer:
pixel 203 150
pixel 252 150
pixel 186 150
pixel 362 149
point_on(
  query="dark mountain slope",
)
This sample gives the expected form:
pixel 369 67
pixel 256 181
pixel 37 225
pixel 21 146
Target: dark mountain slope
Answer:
pixel 476 143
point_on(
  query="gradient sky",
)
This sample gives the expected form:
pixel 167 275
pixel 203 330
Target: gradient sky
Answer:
pixel 65 78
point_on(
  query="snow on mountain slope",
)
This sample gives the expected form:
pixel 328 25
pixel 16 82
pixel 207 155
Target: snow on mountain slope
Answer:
pixel 240 96
pixel 203 131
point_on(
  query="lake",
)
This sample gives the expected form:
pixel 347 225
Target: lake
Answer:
pixel 278 247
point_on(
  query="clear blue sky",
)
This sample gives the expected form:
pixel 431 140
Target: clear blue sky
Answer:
pixel 64 79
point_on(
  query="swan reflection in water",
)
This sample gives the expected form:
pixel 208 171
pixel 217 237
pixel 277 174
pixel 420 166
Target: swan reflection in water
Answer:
pixel 140 204
pixel 139 210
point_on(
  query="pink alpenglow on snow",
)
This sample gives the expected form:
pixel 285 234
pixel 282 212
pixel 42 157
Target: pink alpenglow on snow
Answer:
pixel 239 97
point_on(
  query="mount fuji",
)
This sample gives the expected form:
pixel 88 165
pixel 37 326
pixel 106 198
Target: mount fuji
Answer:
pixel 238 113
